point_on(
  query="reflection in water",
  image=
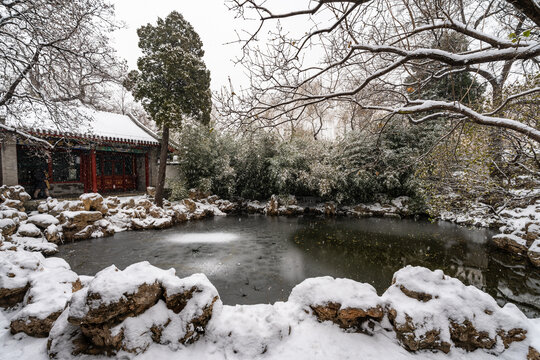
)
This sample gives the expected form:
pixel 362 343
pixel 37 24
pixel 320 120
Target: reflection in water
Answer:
pixel 203 237
pixel 256 259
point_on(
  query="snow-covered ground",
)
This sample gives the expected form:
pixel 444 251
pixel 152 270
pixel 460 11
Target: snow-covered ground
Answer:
pixel 251 328
pixel 363 325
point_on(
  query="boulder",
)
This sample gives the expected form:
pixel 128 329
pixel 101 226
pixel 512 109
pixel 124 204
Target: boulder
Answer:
pixel 197 194
pixel 212 199
pixel 190 205
pixel 29 230
pixel 291 210
pixel 532 232
pixel 79 225
pixel 349 304
pixel 43 208
pixel 43 220
pixel 93 202
pixel 226 206
pixel 39 244
pixel 272 208
pixel 254 207
pixel 112 202
pixel 431 311
pixel 144 203
pixel 129 204
pixel 511 243
pixel 131 309
pixel 533 354
pixel 330 209
pixel 15 192
pixel 49 291
pixel 53 234
pixel 180 213
pixel 534 253
pixel 151 191
pixel 8 227
pixel 79 219
pixel 16 204
pixel 15 269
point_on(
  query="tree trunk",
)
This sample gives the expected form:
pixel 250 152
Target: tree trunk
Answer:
pixel 162 165
pixel 496 139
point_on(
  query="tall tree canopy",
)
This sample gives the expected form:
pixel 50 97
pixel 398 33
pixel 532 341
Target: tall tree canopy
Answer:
pixel 361 51
pixel 172 83
pixel 53 53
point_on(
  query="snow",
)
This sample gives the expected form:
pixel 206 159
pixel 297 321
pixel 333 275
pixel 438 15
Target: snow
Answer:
pixel 512 237
pixel 43 220
pixel 20 264
pixel 6 223
pixel 258 332
pixel 112 284
pixel 50 289
pixel 283 330
pixel 34 244
pixel 324 290
pixel 209 237
pixel 450 301
pixel 92 122
pixel 28 229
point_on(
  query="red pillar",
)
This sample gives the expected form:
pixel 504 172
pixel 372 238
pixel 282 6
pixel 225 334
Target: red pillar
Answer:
pixel 146 170
pixel 93 169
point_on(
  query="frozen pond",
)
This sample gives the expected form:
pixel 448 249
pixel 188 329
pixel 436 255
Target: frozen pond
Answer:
pixel 257 259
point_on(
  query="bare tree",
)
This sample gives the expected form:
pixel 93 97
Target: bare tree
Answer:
pixel 378 44
pixel 54 54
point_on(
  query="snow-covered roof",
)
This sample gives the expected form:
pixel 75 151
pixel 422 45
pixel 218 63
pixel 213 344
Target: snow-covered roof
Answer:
pixel 87 123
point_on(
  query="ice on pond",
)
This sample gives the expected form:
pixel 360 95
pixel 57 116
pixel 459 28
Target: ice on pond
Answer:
pixel 207 237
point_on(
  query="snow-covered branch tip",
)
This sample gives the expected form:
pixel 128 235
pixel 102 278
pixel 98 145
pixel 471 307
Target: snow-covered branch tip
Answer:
pixel 24 134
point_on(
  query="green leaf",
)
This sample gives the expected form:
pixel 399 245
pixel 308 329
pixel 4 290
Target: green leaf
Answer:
pixel 527 33
pixel 512 35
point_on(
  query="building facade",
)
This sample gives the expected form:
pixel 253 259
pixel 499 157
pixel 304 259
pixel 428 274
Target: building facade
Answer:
pixel 116 153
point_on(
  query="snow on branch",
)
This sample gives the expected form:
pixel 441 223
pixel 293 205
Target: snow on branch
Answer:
pixel 456 107
pixel 25 135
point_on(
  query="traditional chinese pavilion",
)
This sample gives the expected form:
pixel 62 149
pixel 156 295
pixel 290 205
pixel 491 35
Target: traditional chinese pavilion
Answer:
pixel 111 153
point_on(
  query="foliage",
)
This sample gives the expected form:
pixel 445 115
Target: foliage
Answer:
pixel 55 55
pixel 357 168
pixel 172 82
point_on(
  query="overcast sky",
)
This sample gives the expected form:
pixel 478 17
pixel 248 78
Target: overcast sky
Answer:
pixel 210 18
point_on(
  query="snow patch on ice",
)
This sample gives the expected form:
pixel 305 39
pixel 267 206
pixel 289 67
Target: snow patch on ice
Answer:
pixel 210 237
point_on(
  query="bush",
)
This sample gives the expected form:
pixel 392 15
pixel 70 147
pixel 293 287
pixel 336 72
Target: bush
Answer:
pixel 357 168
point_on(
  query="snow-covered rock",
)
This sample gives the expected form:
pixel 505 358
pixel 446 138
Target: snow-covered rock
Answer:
pixel 534 253
pixel 347 303
pixel 29 230
pixel 16 266
pixel 43 220
pixel 93 202
pixel 8 226
pixel 272 208
pixel 50 289
pixel 429 310
pixel 511 243
pixel 131 309
pixel 15 192
pixel 38 244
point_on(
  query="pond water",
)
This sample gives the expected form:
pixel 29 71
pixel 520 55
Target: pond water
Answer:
pixel 257 259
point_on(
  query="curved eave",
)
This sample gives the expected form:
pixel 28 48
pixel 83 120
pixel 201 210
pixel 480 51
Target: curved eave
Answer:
pixel 92 138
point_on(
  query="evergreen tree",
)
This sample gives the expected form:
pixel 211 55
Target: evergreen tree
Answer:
pixel 172 83
pixel 459 86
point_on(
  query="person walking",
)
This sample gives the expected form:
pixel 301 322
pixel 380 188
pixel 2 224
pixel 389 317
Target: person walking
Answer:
pixel 40 182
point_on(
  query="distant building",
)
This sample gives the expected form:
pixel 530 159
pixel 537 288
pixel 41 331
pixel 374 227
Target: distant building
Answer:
pixel 114 153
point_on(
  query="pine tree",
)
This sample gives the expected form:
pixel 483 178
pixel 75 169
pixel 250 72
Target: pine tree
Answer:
pixel 172 83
